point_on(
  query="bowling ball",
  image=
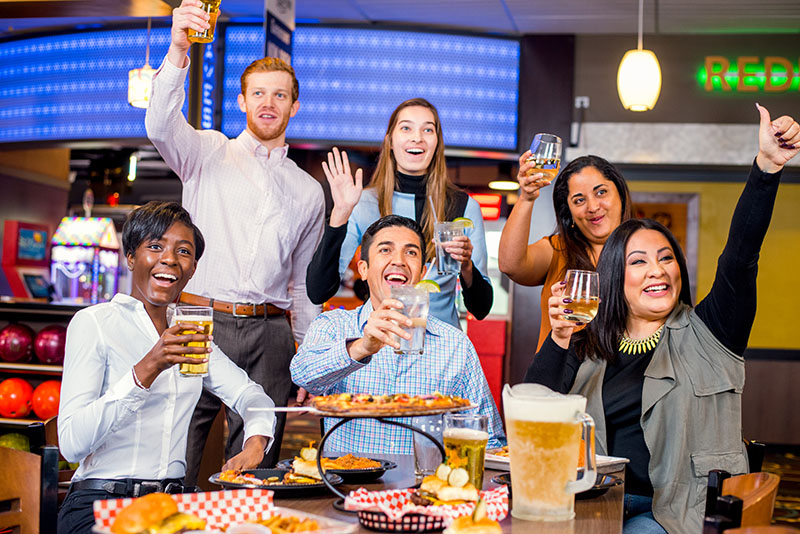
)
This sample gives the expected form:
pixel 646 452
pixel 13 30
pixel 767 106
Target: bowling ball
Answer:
pixel 16 343
pixel 17 441
pixel 49 344
pixel 45 399
pixel 15 398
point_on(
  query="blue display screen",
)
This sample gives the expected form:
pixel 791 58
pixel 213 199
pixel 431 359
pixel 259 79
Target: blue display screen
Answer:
pixel 74 86
pixel 32 245
pixel 352 79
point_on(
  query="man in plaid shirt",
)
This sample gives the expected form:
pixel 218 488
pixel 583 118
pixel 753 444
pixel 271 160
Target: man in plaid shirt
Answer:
pixel 352 351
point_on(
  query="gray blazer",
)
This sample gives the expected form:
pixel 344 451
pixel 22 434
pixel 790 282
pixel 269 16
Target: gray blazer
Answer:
pixel 691 416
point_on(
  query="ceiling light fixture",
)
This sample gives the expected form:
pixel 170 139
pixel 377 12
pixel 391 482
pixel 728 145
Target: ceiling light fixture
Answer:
pixel 140 81
pixel 639 76
pixel 503 185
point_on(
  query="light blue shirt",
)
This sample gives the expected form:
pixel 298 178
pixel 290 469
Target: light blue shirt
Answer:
pixel 449 365
pixel 367 211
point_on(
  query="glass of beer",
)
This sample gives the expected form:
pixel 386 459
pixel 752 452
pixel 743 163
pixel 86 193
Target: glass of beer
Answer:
pixel 544 435
pixel 203 317
pixel 465 439
pixel 545 155
pixel 415 303
pixel 212 8
pixel 583 288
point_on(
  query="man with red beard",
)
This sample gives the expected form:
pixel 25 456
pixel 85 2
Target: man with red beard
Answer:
pixel 262 217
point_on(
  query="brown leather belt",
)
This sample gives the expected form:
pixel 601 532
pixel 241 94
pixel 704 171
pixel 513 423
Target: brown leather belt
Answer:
pixel 237 309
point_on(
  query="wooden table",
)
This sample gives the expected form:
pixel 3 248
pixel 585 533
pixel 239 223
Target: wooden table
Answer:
pixel 601 515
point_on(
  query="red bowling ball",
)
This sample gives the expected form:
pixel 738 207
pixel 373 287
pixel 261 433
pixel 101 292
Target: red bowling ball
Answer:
pixel 15 398
pixel 16 343
pixel 45 399
pixel 49 344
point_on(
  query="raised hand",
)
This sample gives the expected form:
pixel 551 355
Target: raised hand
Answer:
pixel 189 15
pixel 562 329
pixel 169 350
pixel 345 190
pixel 529 186
pixel 383 324
pixel 778 141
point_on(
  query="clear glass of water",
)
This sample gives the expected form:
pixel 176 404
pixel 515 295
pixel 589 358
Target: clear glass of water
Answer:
pixel 446 231
pixel 427 456
pixel 415 306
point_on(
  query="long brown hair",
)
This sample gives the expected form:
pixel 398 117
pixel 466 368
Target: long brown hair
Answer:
pixel 574 244
pixel 437 186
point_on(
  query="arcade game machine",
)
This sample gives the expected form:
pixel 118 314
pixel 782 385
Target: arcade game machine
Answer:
pixel 25 260
pixel 85 260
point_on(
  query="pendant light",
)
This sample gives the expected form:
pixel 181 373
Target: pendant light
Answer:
pixel 140 81
pixel 639 76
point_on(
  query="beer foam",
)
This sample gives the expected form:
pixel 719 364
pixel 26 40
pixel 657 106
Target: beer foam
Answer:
pixel 466 434
pixel 534 402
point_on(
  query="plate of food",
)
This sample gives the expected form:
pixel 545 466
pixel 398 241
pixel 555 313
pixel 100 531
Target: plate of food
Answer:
pixel 283 482
pixel 498 459
pixel 396 405
pixel 353 469
pixel 601 485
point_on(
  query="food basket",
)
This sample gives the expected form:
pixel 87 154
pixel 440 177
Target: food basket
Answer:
pixel 222 508
pixel 391 511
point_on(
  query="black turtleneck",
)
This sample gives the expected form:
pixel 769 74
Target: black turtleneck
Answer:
pixel 414 185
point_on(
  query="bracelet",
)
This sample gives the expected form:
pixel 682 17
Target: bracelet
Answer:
pixel 137 381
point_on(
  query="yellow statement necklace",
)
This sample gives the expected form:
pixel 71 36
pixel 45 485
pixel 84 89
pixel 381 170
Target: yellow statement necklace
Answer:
pixel 640 346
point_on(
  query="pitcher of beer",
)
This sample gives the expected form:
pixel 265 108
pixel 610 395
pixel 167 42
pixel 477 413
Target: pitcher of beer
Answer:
pixel 544 435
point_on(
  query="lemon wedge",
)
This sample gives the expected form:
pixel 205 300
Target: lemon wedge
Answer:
pixel 466 223
pixel 428 285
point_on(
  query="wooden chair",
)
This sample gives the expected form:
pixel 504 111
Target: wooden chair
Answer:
pixel 28 485
pixel 758 491
pixel 772 529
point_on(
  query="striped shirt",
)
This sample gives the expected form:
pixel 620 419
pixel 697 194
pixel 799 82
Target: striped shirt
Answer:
pixel 448 365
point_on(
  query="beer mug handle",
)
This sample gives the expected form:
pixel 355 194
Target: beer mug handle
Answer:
pixel 590 471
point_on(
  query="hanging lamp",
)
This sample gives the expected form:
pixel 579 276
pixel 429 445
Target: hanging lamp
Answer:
pixel 639 76
pixel 140 81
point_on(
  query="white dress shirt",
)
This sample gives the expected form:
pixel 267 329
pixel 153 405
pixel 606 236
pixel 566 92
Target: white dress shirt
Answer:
pixel 119 430
pixel 261 215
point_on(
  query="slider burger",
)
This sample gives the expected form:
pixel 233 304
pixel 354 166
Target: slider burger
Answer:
pixel 477 523
pixel 304 468
pixel 447 486
pixel 155 513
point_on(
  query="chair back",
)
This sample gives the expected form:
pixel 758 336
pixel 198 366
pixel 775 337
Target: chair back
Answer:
pixel 758 491
pixel 20 490
pixel 772 529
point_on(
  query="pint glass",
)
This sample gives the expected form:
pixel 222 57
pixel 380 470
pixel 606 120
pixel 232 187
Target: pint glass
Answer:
pixel 544 435
pixel 203 317
pixel 212 8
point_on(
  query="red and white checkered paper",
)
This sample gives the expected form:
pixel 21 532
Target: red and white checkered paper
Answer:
pixel 218 508
pixel 395 504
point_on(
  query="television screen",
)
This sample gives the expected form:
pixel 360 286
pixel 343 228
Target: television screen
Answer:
pixel 37 285
pixel 32 245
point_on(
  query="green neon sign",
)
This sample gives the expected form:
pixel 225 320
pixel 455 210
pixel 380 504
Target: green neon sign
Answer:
pixel 749 74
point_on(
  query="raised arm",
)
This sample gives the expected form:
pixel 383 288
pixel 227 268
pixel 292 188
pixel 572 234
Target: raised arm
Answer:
pixel 525 264
pixel 729 308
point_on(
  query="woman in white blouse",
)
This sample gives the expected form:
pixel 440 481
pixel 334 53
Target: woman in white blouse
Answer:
pixel 125 409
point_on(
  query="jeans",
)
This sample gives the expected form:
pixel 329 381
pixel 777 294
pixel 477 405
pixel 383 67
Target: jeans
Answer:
pixel 639 516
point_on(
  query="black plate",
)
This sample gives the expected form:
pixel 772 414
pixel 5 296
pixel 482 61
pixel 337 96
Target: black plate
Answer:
pixel 281 490
pixel 352 476
pixel 601 485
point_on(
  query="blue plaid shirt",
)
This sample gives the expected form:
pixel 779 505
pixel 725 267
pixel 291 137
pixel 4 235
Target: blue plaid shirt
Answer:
pixel 448 365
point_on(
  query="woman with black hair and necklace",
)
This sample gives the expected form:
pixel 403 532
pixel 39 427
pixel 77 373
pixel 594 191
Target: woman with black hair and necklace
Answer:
pixel 664 379
pixel 410 176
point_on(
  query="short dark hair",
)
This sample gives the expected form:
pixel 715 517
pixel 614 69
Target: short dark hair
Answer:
pixel 387 222
pixel 601 338
pixel 152 220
